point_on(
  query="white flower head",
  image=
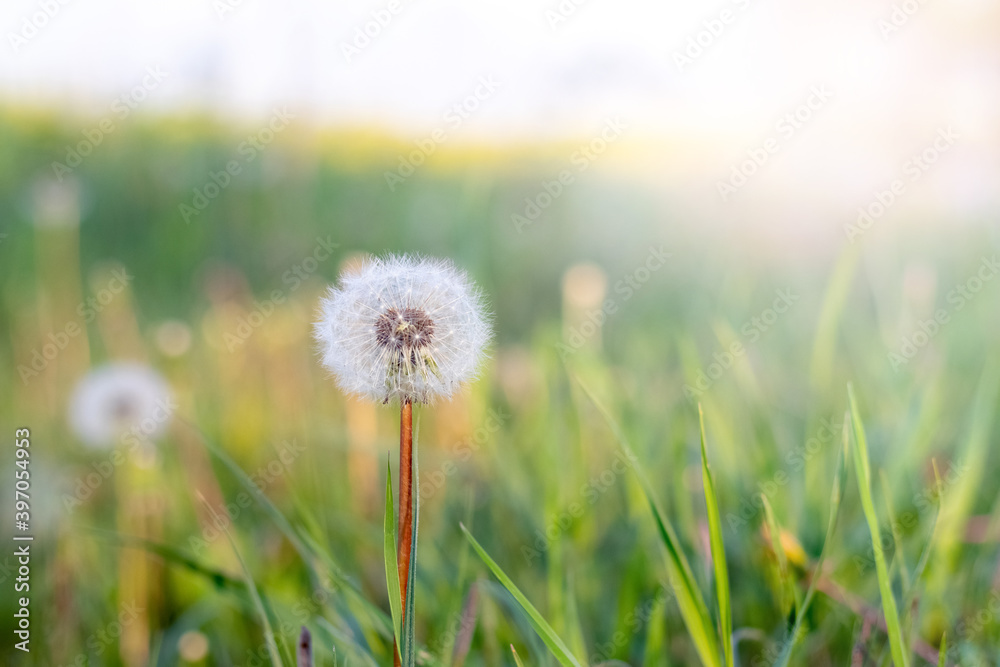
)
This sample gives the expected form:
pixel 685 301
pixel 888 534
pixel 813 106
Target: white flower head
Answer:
pixel 402 327
pixel 119 402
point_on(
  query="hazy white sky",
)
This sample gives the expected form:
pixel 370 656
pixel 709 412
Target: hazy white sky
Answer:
pixel 558 68
pixel 604 57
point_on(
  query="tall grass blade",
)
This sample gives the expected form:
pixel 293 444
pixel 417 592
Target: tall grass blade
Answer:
pixel 836 496
pixel 897 538
pixel 540 625
pixel 900 655
pixel 389 555
pixel 447 653
pixel 689 598
pixel 834 302
pixel 258 603
pixel 784 578
pixel 718 550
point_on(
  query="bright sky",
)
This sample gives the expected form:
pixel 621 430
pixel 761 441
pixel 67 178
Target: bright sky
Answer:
pixel 893 86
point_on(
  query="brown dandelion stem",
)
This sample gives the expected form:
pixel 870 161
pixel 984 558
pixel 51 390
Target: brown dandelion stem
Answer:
pixel 405 524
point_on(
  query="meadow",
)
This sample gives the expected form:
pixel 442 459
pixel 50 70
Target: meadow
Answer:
pixel 786 528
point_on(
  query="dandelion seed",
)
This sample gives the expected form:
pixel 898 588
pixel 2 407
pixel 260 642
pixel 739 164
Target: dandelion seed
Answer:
pixel 120 400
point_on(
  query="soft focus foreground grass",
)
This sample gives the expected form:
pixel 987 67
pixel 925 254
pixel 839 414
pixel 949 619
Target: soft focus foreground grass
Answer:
pixel 523 458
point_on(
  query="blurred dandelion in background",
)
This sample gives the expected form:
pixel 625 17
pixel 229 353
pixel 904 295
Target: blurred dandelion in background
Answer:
pixel 121 403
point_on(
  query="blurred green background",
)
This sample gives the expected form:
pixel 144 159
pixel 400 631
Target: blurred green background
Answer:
pixel 744 207
pixel 140 572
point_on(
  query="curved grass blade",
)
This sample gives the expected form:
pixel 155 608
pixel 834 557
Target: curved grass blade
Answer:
pixel 839 484
pixel 306 546
pixel 718 550
pixel 897 538
pixel 911 593
pixel 218 578
pixel 544 630
pixel 900 655
pixel 688 595
pixel 389 555
pixel 272 646
pixel 973 458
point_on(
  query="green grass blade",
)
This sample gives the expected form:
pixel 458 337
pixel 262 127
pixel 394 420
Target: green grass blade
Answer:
pixel 389 554
pixel 307 548
pixel 655 652
pixel 899 653
pixel 974 459
pixel 688 595
pixel 258 603
pixel 785 580
pixel 718 550
pixel 834 302
pixel 544 630
pixel 448 646
pixel 836 496
pixel 219 579
pixel 517 658
pixel 943 653
pixel 897 538
pixel 918 571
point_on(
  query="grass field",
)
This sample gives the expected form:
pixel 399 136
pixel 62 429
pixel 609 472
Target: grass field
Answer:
pixel 812 536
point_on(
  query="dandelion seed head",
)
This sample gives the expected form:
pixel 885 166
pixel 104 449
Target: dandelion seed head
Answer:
pixel 403 328
pixel 119 399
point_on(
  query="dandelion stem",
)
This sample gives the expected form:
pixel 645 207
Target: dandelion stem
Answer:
pixel 405 524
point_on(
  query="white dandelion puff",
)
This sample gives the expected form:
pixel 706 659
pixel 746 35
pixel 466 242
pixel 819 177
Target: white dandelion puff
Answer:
pixel 407 328
pixel 120 402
